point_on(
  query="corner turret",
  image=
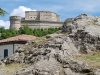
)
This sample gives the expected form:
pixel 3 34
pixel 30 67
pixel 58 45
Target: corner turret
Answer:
pixel 15 22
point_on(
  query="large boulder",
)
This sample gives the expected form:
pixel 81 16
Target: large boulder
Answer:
pixel 44 67
pixel 97 72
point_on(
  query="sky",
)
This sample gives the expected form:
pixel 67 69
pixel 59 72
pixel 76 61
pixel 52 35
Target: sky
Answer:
pixel 64 8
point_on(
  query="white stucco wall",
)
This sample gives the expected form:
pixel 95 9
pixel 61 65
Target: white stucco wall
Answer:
pixel 10 49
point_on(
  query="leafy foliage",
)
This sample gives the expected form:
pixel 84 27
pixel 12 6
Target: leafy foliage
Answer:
pixel 5 33
pixel 2 12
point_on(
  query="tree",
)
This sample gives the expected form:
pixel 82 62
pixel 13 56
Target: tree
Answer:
pixel 2 29
pixel 25 30
pixel 2 12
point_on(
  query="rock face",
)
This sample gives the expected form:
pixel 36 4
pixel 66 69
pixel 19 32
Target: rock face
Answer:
pixel 56 56
pixel 53 58
pixel 90 24
pixel 84 30
pixel 61 45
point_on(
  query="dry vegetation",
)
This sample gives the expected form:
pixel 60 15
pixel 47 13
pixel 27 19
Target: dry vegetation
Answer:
pixel 11 68
pixel 40 40
pixel 93 59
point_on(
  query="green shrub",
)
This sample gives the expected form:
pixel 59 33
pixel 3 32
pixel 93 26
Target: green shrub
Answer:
pixel 5 33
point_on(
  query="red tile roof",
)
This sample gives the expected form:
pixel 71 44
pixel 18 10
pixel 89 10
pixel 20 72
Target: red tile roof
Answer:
pixel 19 38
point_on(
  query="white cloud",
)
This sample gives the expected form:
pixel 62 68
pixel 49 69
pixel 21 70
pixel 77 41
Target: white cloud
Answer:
pixel 20 11
pixel 5 24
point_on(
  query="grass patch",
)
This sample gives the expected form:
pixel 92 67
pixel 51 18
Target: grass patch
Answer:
pixel 12 68
pixel 93 60
pixel 40 40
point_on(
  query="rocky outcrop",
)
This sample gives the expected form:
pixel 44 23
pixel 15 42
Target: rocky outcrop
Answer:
pixel 85 42
pixel 53 67
pixel 84 31
pixel 90 24
pixel 30 54
pixel 55 57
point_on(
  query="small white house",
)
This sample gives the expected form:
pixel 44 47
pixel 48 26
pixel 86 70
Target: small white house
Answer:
pixel 8 46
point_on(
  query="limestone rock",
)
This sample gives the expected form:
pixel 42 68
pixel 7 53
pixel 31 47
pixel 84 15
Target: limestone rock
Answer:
pixel 97 72
pixel 55 57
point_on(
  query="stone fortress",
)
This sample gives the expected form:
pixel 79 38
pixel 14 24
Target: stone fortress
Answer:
pixel 36 19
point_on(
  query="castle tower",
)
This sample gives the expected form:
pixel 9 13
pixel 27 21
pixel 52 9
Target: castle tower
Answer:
pixel 15 22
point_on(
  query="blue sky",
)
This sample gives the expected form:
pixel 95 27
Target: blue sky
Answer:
pixel 65 8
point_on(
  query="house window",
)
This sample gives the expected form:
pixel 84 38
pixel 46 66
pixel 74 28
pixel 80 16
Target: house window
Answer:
pixel 5 53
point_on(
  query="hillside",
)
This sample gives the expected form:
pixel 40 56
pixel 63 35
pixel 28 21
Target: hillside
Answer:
pixel 90 24
pixel 71 52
